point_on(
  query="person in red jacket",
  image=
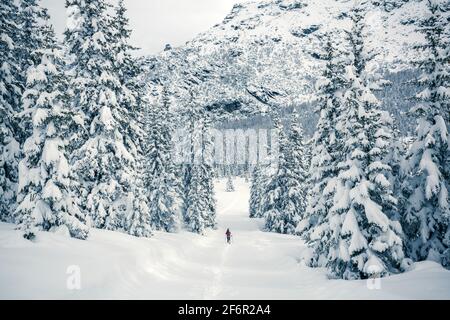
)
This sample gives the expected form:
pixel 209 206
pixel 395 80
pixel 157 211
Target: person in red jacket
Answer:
pixel 228 234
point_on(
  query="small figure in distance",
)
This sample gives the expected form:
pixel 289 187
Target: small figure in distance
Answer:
pixel 228 234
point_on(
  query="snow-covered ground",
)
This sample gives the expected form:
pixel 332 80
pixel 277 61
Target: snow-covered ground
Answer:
pixel 257 265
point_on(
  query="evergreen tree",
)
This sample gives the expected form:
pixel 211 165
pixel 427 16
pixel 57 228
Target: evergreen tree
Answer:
pixel 160 176
pixel 33 35
pixel 199 205
pixel 33 31
pixel 230 186
pixel 45 199
pixel 283 193
pixel 256 192
pixel 297 159
pixel 130 72
pixel 357 238
pixel 395 157
pixel 207 174
pixel 258 181
pixel 105 161
pixel 326 146
pixel 364 240
pixel 10 95
pixel 427 212
pixel 132 98
pixel 137 222
pixel 137 216
pixel 195 206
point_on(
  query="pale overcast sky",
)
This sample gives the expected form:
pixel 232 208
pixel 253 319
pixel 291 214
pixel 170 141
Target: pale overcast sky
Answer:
pixel 158 22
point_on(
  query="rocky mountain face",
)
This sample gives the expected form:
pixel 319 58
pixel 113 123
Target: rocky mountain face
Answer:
pixel 264 56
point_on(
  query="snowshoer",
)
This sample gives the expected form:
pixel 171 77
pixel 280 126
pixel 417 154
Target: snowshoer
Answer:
pixel 228 234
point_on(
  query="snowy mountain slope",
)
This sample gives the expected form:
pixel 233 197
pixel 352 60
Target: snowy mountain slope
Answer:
pixel 265 52
pixel 258 265
pixel 296 23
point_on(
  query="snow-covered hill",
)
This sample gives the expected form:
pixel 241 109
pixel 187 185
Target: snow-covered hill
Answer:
pixel 257 265
pixel 265 53
pixel 297 23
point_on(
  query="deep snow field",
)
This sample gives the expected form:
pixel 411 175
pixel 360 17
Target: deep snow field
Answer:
pixel 257 265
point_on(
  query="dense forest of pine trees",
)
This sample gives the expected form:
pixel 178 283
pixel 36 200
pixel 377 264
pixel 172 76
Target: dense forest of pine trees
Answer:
pixel 86 143
pixel 375 201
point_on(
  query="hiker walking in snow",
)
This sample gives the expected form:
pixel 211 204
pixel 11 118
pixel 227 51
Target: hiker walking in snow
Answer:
pixel 228 234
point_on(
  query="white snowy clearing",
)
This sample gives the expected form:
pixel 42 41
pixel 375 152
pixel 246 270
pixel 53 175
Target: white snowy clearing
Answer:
pixel 257 265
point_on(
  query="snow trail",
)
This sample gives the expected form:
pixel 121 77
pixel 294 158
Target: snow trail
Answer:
pixel 212 291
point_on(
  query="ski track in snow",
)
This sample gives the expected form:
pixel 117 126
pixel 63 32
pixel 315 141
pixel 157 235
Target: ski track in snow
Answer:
pixel 212 291
pixel 257 265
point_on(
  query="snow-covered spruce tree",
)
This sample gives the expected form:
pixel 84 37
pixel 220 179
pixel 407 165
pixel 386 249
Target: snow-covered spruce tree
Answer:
pixel 297 159
pixel 258 179
pixel 395 157
pixel 326 146
pixel 427 212
pixel 31 18
pixel 230 186
pixel 10 95
pixel 129 70
pixel 256 191
pixel 137 221
pixel 362 240
pixel 104 162
pixel 160 175
pixel 33 35
pixel 132 96
pixel 283 195
pixel 199 205
pixel 207 174
pixel 45 198
pixel 195 206
pixel 126 65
